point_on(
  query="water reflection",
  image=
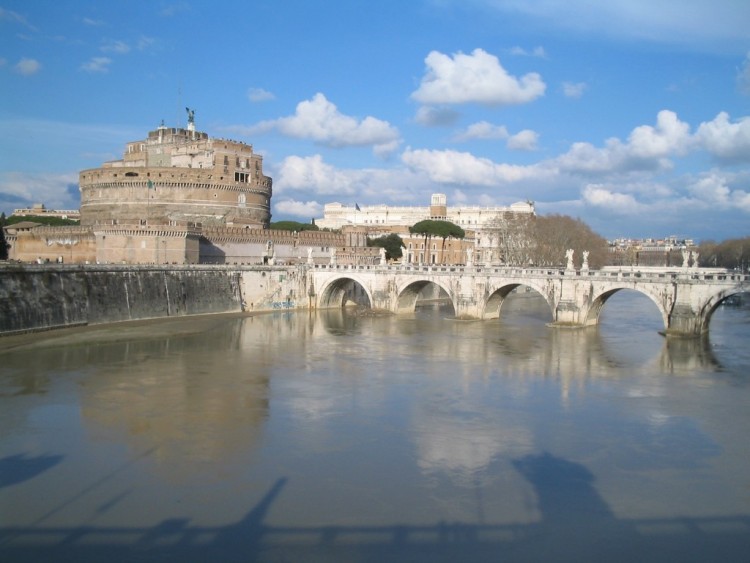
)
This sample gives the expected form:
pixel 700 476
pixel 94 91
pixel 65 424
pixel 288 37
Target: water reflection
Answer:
pixel 346 436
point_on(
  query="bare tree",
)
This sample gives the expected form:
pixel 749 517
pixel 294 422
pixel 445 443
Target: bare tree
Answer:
pixel 554 234
pixel 732 253
pixel 512 234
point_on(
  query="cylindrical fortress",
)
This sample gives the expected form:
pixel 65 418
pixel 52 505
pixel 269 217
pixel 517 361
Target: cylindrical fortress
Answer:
pixel 176 176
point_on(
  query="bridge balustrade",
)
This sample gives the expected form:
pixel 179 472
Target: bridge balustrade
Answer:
pixel 686 297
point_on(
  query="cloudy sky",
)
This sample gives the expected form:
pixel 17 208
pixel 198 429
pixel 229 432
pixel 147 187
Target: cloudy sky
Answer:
pixel 633 115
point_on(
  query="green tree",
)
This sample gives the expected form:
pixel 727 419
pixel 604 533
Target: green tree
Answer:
pixel 51 221
pixel 292 226
pixel 434 228
pixel 392 244
pixel 3 243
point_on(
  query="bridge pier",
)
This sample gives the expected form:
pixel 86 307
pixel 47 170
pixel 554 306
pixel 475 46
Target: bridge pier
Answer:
pixel 688 315
pixel 573 302
pixel 684 322
pixel 569 314
pixel 467 308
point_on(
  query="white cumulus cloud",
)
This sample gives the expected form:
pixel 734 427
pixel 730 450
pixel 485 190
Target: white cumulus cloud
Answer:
pixel 475 78
pixel 600 196
pixel 719 190
pixel 27 66
pixel 299 208
pixel 724 139
pixel 311 173
pixel 647 148
pixel 321 121
pixel 670 136
pixel 453 167
pixel 482 130
pixel 526 140
pixel 54 190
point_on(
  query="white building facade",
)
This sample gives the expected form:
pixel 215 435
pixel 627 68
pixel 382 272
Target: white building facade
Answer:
pixel 479 222
pixel 337 215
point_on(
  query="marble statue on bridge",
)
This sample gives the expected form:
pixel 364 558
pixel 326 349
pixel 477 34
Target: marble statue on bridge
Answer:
pixel 569 255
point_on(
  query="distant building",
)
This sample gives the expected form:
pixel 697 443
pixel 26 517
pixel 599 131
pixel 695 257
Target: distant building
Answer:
pixel 39 210
pixel 478 222
pixel 666 251
pixel 336 215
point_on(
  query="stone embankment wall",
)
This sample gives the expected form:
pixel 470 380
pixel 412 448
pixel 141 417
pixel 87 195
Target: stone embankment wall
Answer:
pixel 47 296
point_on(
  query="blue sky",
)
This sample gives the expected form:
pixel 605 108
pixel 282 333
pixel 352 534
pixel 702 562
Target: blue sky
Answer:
pixel 633 115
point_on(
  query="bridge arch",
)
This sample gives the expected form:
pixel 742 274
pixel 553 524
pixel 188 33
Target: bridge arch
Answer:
pixel 598 301
pixel 498 293
pixel 333 293
pixel 713 302
pixel 408 293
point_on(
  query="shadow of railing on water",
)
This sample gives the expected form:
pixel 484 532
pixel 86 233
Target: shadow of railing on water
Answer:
pixel 18 468
pixel 576 525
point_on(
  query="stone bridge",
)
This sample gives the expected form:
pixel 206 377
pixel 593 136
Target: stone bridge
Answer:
pixel 685 297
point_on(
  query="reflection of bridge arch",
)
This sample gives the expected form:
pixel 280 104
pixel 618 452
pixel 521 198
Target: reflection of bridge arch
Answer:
pixel 497 295
pixel 598 301
pixel 408 293
pixel 333 293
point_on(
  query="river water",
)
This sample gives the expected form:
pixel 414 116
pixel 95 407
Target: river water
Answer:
pixel 346 437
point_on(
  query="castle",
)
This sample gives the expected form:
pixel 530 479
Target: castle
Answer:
pixel 181 197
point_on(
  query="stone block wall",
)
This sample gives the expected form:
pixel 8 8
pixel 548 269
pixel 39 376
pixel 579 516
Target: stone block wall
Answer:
pixel 34 297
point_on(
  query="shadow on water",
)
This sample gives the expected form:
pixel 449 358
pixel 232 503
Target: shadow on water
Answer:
pixel 574 524
pixel 16 469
